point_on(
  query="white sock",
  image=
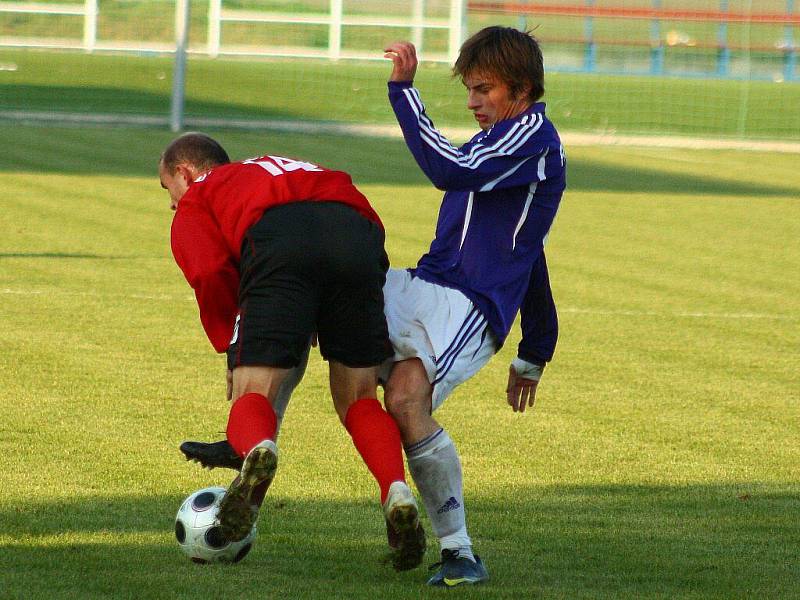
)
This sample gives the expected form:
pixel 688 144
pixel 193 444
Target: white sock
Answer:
pixel 457 542
pixel 436 469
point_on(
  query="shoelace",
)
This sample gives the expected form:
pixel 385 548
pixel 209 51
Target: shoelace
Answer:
pixel 447 554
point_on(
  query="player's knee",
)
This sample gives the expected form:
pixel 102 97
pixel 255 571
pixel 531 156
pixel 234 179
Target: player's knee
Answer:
pixel 404 404
pixel 257 379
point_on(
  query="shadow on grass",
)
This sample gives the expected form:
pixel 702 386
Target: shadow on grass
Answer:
pixel 115 151
pixel 580 541
pixel 62 255
pixel 122 101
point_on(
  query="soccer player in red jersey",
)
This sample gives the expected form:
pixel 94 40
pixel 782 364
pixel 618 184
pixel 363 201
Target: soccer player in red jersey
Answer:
pixel 277 250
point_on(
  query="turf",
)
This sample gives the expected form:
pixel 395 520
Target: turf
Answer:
pixel 356 92
pixel 660 460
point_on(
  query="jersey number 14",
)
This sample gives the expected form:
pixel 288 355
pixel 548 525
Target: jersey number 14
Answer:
pixel 278 165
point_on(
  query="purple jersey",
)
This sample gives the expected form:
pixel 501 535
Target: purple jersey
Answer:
pixel 502 191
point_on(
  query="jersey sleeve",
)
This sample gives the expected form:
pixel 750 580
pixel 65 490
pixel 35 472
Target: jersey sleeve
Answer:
pixel 511 158
pixel 200 252
pixel 539 318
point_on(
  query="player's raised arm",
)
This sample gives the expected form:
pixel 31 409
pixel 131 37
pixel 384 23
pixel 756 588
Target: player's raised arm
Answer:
pixel 404 58
pixel 520 151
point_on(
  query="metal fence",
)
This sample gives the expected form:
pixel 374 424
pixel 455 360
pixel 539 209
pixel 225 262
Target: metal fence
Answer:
pixel 686 67
pixel 721 38
pixel 417 20
pixel 658 31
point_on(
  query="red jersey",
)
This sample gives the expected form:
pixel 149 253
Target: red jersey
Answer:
pixel 220 206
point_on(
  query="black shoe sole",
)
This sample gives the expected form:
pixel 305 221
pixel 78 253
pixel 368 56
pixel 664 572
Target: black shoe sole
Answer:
pixel 237 513
pixel 212 455
pixel 409 539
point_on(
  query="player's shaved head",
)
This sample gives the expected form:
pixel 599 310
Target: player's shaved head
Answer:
pixel 512 55
pixel 196 149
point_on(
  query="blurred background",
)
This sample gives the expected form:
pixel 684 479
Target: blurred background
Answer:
pixel 708 68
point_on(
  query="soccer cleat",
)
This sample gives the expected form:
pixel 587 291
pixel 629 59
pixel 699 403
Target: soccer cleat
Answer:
pixel 454 570
pixel 405 533
pixel 237 511
pixel 214 454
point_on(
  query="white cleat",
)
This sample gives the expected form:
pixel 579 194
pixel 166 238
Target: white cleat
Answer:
pixel 405 532
pixel 237 512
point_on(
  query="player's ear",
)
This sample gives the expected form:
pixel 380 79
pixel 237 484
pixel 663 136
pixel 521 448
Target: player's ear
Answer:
pixel 186 172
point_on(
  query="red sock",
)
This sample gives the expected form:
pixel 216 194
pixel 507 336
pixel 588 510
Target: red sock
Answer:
pixel 377 439
pixel 250 421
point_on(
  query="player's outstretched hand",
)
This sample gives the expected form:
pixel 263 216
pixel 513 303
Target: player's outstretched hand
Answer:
pixel 520 392
pixel 404 57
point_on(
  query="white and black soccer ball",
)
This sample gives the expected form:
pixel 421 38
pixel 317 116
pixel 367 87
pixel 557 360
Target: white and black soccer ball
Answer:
pixel 198 533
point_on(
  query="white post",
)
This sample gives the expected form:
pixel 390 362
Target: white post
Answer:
pixel 417 17
pixel 90 25
pixel 458 28
pixel 335 30
pixel 179 72
pixel 214 27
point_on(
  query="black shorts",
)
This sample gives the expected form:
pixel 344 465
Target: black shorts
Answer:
pixel 311 267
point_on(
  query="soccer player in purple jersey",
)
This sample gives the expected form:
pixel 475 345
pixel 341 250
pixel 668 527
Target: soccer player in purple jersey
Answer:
pixel 453 311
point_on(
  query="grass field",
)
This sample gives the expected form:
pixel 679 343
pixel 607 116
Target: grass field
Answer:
pixel 660 461
pixel 356 92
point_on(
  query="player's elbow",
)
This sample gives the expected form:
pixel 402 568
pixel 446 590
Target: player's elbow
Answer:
pixel 447 181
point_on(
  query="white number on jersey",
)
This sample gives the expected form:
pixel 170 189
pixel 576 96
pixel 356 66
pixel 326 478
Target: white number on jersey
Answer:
pixel 278 165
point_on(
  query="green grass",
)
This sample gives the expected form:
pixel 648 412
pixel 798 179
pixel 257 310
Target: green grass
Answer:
pixel 356 92
pixel 660 460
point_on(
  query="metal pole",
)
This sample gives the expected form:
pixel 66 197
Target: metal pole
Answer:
pixel 522 20
pixel 417 18
pixel 214 27
pixel 791 53
pixel 744 96
pixel 335 30
pixel 723 52
pixel 656 46
pixel 590 49
pixel 458 28
pixel 179 72
pixel 90 25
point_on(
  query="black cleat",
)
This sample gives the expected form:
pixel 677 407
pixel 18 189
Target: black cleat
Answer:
pixel 213 454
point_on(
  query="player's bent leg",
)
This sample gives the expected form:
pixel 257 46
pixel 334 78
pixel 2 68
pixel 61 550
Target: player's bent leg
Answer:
pixel 408 400
pixel 377 439
pixel 432 459
pixel 221 454
pixel 252 425
pixel 238 509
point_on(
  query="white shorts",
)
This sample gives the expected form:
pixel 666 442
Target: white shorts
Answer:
pixel 438 325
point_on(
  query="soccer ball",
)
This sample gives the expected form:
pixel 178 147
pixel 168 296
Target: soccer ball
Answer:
pixel 199 534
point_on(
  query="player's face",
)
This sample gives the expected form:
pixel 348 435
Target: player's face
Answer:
pixel 175 183
pixel 490 100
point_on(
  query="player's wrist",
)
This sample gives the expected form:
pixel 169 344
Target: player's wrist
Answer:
pixel 527 370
